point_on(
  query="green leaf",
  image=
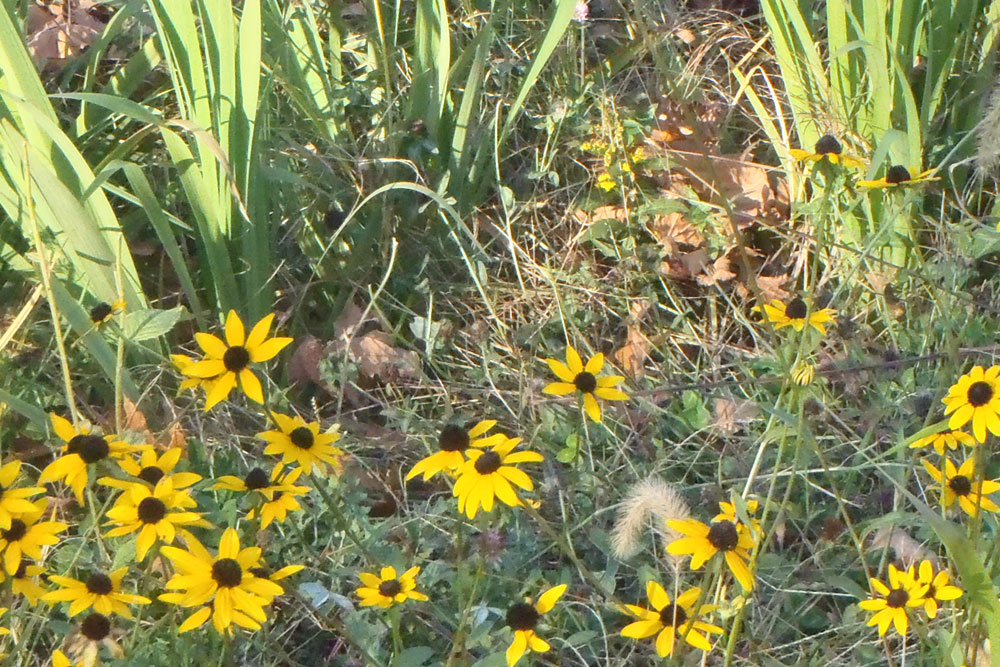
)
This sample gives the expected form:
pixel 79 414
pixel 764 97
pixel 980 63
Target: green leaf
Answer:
pixel 140 325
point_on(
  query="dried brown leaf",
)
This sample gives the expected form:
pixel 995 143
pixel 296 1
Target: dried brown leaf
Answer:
pixel 304 363
pixel 672 230
pixel 633 354
pixel 729 415
pixel 61 30
pixel 718 272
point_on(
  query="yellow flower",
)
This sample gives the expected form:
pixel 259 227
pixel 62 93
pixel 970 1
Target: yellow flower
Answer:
pixel 100 591
pixel 27 535
pixel 898 175
pixel 103 312
pixel 386 590
pixel 727 512
pixel 82 449
pixel 277 491
pixel 150 469
pixel 228 363
pixel 950 439
pixel 300 443
pixel 938 589
pixel 575 376
pixel 827 148
pixel 671 620
pixel 890 604
pixel 606 181
pixel 154 513
pixel 25 581
pixel 226 580
pixel 976 398
pixel 489 473
pixel 523 617
pixel 803 373
pixel 727 537
pixel 796 315
pixel 14 501
pixel 452 443
pixel 961 484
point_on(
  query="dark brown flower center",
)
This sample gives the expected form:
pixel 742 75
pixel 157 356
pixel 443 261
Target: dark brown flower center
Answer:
pixel 96 627
pixel 522 616
pixel 91 448
pixel 151 474
pixel 828 144
pixel 99 584
pixel 897 174
pixel 488 463
pixel 673 615
pixel 585 382
pixel 227 573
pixel 897 598
pixel 391 588
pixel 723 535
pixel 302 438
pixel 22 569
pixel 259 572
pixel 796 309
pixel 151 510
pixel 960 484
pixel 453 438
pixel 236 358
pixel 256 479
pixel 979 394
pixel 931 592
pixel 17 530
pixel 100 312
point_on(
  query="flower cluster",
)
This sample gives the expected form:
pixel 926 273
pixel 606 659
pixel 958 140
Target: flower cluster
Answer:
pixel 908 589
pixel 829 150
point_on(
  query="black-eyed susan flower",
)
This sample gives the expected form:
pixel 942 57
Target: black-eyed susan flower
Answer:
pixel 961 484
pixel 84 646
pixel 938 588
pixel 25 581
pixel 14 501
pixel 226 580
pixel 671 620
pixel 150 469
pixel 945 439
pixel 829 149
pixel 104 311
pixel 386 589
pixel 27 535
pixel 276 492
pixel 100 590
pixel 797 315
pixel 898 175
pixel 227 363
pixel 82 449
pixel 155 514
pixel 489 474
pixel 890 603
pixel 300 443
pixel 976 398
pixel 453 442
pixel 728 537
pixel 523 617
pixel 574 376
